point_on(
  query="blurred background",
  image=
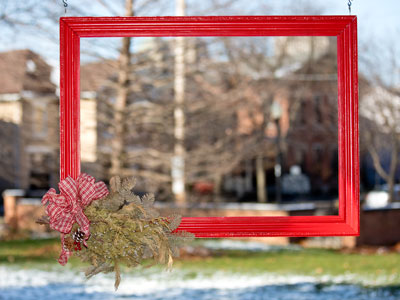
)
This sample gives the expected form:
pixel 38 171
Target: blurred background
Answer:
pixel 213 126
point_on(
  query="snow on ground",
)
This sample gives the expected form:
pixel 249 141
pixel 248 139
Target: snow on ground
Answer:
pixel 63 283
pixel 226 244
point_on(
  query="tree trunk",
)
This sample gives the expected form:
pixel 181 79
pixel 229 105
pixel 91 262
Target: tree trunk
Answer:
pixel 390 184
pixel 217 188
pixel 178 161
pixel 117 144
pixel 392 170
pixel 389 176
pixel 249 175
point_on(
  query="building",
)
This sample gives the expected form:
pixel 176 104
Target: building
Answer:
pixel 28 122
pixel 94 76
pixel 312 138
pixel 298 116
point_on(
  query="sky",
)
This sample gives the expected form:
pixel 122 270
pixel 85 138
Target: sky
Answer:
pixel 378 21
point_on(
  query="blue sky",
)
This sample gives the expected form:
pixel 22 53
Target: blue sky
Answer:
pixel 379 19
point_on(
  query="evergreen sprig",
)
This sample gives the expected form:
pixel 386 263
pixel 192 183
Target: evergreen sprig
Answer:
pixel 126 229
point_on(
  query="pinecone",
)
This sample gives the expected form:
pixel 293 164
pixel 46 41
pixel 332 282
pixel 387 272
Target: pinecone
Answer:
pixel 78 236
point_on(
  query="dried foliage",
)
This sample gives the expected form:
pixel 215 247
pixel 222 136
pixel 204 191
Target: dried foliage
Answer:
pixel 126 229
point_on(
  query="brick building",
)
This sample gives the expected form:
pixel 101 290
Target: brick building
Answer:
pixel 305 90
pixel 312 136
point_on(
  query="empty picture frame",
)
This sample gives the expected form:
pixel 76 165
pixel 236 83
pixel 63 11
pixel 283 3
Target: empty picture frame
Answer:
pixel 72 29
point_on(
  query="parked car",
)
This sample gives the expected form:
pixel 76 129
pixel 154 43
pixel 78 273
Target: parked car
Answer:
pixel 380 197
pixel 376 199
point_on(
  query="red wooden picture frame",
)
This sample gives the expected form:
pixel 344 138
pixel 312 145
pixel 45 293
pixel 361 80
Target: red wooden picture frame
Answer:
pixel 343 27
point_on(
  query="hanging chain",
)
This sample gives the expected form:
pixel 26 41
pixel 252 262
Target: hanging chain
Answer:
pixel 349 5
pixel 66 5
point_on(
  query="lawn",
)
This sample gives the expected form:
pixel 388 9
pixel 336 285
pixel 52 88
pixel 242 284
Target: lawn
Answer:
pixel 375 268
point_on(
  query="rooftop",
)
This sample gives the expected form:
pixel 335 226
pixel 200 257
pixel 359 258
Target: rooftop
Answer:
pixel 24 70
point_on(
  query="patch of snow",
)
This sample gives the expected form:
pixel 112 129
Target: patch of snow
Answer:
pixel 64 283
pixel 225 244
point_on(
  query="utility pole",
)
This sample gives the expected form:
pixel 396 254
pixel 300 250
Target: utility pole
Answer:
pixel 262 196
pixel 261 180
pixel 178 161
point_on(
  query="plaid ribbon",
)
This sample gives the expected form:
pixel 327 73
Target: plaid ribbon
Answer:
pixel 66 209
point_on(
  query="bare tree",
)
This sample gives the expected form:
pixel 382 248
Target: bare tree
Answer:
pixel 380 110
pixel 139 114
pixel 381 133
pixel 124 68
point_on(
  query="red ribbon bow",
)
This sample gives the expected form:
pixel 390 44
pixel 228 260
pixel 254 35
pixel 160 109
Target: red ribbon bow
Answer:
pixel 66 209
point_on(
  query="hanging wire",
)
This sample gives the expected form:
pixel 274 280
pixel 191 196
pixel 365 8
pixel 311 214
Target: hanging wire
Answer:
pixel 349 5
pixel 66 5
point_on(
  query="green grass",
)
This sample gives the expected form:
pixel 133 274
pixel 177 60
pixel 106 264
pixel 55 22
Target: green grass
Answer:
pixel 22 251
pixel 307 262
pixel 315 262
